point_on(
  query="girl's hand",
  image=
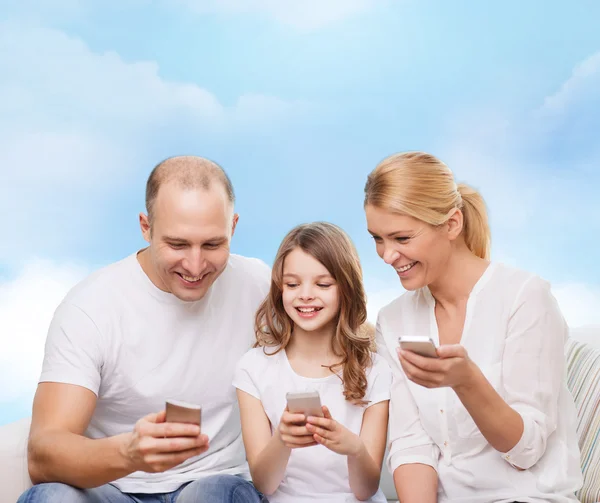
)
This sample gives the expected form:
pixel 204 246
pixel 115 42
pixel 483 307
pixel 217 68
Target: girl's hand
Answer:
pixel 292 431
pixel 336 437
pixel 452 369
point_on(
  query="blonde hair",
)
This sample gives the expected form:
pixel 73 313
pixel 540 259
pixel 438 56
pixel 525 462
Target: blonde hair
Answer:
pixel 332 247
pixel 423 187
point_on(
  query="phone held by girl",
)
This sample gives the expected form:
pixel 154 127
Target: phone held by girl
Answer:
pixel 314 348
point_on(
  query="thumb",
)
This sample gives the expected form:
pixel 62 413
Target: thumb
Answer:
pixel 451 351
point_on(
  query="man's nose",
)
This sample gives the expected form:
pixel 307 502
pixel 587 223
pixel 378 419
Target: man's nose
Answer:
pixel 194 262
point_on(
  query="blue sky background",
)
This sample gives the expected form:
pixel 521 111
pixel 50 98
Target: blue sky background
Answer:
pixel 298 101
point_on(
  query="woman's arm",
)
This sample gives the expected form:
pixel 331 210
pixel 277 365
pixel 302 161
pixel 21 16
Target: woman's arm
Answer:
pixel 416 483
pixel 518 424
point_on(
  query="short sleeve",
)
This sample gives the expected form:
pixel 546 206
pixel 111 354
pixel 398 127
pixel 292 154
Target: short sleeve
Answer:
pixel 246 372
pixel 379 381
pixel 74 351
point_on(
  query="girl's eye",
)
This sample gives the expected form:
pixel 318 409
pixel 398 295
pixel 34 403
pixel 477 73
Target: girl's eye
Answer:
pixel 323 285
pixel 291 285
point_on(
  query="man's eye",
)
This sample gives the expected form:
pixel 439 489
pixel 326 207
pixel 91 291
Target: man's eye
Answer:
pixel 402 239
pixel 176 246
pixel 377 239
pixel 211 246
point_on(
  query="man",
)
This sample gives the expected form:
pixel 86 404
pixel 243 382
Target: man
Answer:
pixel 168 322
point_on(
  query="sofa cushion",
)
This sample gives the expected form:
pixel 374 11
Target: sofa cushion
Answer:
pixel 583 378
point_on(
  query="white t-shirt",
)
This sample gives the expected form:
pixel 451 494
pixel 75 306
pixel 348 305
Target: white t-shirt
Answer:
pixel 515 333
pixel 313 473
pixel 135 346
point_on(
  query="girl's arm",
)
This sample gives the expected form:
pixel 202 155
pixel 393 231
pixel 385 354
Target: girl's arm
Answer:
pixel 267 453
pixel 365 451
pixel 364 468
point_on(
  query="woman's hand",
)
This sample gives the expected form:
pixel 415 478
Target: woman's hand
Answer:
pixel 453 368
pixel 292 431
pixel 336 437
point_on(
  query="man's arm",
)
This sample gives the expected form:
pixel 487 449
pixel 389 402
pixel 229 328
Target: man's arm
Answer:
pixel 58 451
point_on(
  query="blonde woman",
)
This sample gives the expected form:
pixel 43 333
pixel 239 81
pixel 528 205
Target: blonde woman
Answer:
pixel 490 418
pixel 310 338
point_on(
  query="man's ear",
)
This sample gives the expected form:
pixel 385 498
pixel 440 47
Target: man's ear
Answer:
pixel 455 223
pixel 145 227
pixel 236 217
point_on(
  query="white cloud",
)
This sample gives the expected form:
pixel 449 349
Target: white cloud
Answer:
pixel 580 303
pixel 303 15
pixel 27 304
pixel 584 80
pixel 76 125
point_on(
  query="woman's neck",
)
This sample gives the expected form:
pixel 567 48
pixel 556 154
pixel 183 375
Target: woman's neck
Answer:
pixel 463 271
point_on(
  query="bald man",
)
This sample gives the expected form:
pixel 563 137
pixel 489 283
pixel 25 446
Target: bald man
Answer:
pixel 167 322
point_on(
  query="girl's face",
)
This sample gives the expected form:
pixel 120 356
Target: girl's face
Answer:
pixel 310 294
pixel 418 252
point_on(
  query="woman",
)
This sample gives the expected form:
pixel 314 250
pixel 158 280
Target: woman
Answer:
pixel 489 419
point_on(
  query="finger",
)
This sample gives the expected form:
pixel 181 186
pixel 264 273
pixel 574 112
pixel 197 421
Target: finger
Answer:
pixel 297 441
pixel 321 440
pixel 322 432
pixel 290 418
pixel 452 351
pixel 414 373
pixel 326 412
pixel 178 444
pixel 174 430
pixel 320 421
pixel 423 362
pixel 162 461
pixel 296 431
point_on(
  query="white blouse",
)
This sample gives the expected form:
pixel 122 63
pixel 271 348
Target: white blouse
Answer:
pixel 515 333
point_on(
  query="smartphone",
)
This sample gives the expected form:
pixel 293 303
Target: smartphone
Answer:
pixel 183 412
pixel 420 344
pixel 307 403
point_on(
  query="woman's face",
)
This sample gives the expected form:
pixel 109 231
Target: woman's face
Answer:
pixel 417 251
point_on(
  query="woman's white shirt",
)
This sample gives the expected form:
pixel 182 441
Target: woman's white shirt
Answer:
pixel 515 333
pixel 313 473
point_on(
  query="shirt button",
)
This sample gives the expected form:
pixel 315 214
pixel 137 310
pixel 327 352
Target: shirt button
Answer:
pixel 441 411
pixel 446 444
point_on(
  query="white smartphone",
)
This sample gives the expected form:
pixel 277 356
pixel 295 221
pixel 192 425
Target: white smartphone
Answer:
pixel 420 344
pixel 183 412
pixel 307 403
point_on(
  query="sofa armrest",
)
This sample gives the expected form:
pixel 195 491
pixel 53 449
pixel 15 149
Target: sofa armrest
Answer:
pixel 14 475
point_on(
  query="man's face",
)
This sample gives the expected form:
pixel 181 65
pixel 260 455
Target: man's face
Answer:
pixel 189 239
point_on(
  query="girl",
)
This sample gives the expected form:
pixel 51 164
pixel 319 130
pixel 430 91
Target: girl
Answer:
pixel 309 337
pixel 490 419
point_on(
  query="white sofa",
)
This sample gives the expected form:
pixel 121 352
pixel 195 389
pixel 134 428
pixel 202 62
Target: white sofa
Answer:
pixel 583 358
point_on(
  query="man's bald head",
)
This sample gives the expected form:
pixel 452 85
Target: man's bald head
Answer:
pixel 189 172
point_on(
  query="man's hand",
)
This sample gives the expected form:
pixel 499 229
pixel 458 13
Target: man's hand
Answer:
pixel 156 446
pixel 292 431
pixel 333 435
pixel 452 369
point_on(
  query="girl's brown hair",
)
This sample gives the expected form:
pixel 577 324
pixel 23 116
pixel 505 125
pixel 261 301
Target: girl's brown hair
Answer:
pixel 423 187
pixel 352 341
